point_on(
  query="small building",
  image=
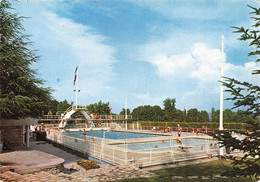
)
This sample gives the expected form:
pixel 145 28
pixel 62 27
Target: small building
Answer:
pixel 16 132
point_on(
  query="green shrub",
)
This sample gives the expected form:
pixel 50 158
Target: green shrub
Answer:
pixel 209 125
pixel 88 164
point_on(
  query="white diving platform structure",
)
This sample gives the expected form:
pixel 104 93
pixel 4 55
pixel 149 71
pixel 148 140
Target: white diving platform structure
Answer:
pixel 70 111
pixel 62 118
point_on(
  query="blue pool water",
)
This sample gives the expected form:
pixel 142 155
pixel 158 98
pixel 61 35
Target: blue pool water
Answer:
pixel 198 145
pixel 110 135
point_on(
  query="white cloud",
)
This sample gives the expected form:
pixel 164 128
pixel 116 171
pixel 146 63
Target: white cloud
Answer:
pixel 169 66
pixel 201 63
pixel 198 69
pixel 64 44
pixel 85 49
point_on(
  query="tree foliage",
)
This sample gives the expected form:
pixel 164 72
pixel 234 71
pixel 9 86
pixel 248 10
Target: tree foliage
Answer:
pixel 246 95
pixel 169 105
pixel 148 113
pixel 21 93
pixel 193 115
pixel 123 112
pixel 239 116
pixel 100 108
pixel 63 106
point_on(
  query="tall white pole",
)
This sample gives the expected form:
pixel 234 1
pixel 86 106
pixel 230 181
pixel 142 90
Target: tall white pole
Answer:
pixel 221 91
pixel 221 84
pixel 77 88
pixel 125 113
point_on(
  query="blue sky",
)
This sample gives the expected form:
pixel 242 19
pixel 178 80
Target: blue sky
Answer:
pixel 142 51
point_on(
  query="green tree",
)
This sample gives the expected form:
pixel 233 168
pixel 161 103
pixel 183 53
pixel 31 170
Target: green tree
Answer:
pixel 157 113
pixel 228 115
pixel 193 115
pixel 21 92
pixel 51 106
pixel 169 109
pixel 63 106
pixel 204 116
pixel 246 95
pixel 123 112
pixel 148 113
pixel 142 113
pixel 242 117
pixel 213 114
pixel 100 108
pixel 169 105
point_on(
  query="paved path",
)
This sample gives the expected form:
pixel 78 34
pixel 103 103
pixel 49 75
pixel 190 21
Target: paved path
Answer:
pixel 29 161
pixel 50 149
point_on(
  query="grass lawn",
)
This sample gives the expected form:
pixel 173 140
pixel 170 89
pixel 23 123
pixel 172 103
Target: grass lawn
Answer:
pixel 208 169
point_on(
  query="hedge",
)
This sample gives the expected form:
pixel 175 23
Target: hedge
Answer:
pixel 209 125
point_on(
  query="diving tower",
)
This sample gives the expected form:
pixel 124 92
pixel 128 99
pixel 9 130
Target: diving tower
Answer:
pixel 70 111
pixel 62 118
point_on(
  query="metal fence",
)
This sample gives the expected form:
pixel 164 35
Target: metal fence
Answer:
pixel 109 151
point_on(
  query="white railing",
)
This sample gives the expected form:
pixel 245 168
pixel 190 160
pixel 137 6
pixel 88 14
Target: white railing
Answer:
pixel 50 125
pixel 92 146
pixel 76 125
pixel 51 117
pixel 101 149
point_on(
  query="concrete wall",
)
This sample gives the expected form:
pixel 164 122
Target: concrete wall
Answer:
pixel 13 130
pixel 13 134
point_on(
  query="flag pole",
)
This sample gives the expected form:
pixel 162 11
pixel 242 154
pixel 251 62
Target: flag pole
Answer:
pixel 77 88
pixel 221 91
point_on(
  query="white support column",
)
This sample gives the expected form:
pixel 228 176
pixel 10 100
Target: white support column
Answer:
pixel 150 156
pixel 126 114
pixel 221 91
pixel 27 128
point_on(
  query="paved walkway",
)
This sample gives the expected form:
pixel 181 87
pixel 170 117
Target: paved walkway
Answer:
pixel 69 158
pixel 29 161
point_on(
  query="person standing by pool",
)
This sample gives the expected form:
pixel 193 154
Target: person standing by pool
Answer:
pixel 203 130
pixel 179 129
pixel 84 133
pixel 178 139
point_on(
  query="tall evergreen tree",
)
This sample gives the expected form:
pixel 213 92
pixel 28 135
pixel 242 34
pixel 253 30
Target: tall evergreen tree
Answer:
pixel 21 92
pixel 246 95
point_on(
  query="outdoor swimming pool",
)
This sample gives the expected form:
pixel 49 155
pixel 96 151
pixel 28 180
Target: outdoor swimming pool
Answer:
pixel 136 149
pixel 115 135
pixel 198 145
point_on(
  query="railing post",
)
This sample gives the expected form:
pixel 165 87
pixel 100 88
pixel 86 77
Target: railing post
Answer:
pixel 150 156
pixel 64 143
pixel 125 157
pixel 113 154
pixel 94 150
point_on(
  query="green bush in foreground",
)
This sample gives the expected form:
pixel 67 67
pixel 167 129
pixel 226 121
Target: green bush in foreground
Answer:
pixel 88 164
